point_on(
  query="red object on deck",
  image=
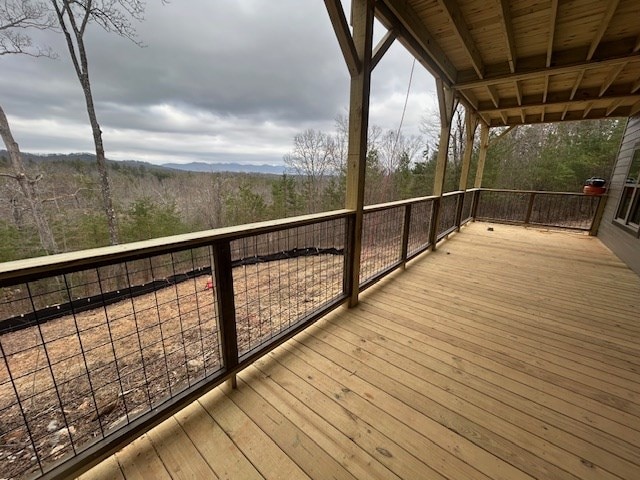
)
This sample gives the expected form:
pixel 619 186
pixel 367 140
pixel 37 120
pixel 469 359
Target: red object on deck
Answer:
pixel 209 285
pixel 591 190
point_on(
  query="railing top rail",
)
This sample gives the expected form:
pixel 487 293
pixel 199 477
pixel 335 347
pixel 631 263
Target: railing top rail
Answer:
pixel 538 192
pixel 398 203
pixel 410 201
pixel 18 271
pixel 452 193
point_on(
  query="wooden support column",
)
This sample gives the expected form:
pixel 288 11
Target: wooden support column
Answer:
pixel 484 146
pixel 471 124
pixel 482 156
pixel 362 20
pixel 447 105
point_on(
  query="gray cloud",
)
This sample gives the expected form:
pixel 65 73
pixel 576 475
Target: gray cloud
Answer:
pixel 216 80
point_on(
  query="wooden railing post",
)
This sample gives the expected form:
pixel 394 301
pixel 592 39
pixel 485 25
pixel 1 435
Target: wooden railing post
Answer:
pixel 597 217
pixel 226 305
pixel 459 207
pixel 349 251
pixel 474 204
pixel 405 233
pixel 435 220
pixel 527 217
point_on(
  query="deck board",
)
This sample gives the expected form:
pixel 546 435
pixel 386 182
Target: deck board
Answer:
pixel 507 354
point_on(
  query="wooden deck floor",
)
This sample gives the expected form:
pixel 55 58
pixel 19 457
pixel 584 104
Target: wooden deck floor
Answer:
pixel 507 354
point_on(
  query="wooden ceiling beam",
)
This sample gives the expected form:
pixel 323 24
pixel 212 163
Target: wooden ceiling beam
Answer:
pixel 462 32
pixel 545 92
pixel 612 108
pixel 635 109
pixel 471 99
pixel 611 77
pixel 602 28
pixel 573 115
pixel 558 69
pixel 507 30
pixel 493 93
pixel 560 98
pixel 405 14
pixel 343 33
pixel 564 112
pixel 518 92
pixel 552 30
pixel 382 47
pixel 576 85
pixel 389 21
pixel 505 118
pixel 587 109
pixel 523 116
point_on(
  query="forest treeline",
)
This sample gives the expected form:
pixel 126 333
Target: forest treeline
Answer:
pixel 154 202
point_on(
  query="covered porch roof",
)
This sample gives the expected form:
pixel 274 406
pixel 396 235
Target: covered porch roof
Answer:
pixel 521 61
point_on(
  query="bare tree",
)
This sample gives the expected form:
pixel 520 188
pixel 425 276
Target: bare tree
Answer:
pixel 312 158
pixel 28 187
pixel 113 16
pixel 16 18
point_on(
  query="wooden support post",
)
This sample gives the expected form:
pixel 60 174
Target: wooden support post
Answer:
pixel 471 124
pixel 484 146
pixel 362 18
pixel 349 239
pixel 447 104
pixel 405 234
pixel 597 217
pixel 474 204
pixel 532 199
pixel 435 216
pixel 226 305
pixel 459 205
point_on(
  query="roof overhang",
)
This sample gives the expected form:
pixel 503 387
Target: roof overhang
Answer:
pixel 527 61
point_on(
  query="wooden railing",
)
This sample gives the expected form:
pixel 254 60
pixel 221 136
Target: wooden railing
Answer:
pixel 99 346
pixel 574 211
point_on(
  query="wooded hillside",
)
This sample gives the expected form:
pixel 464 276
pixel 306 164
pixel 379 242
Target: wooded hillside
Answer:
pixel 152 201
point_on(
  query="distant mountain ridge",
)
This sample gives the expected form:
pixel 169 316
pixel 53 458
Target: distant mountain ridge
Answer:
pixel 226 167
pixel 189 167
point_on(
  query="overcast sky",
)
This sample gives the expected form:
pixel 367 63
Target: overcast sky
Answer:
pixel 218 81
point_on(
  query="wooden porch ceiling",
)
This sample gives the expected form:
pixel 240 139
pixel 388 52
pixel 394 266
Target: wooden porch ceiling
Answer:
pixel 510 354
pixel 527 61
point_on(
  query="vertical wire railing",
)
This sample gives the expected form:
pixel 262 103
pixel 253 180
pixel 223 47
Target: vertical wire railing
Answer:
pixel 568 210
pixel 97 350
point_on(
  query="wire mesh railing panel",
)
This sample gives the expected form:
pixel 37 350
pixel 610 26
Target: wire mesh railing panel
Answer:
pixel 467 203
pixel 419 226
pixel 447 215
pixel 87 352
pixel 567 211
pixel 503 206
pixel 280 278
pixel 381 241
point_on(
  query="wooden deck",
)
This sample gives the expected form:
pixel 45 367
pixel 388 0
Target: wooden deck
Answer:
pixel 507 354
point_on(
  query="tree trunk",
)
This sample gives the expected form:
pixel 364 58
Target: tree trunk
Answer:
pixel 105 185
pixel 81 67
pixel 27 186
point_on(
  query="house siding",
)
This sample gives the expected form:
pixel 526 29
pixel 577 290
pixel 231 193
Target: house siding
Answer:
pixel 624 244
